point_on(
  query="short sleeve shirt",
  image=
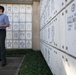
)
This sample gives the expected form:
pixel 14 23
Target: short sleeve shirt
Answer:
pixel 4 20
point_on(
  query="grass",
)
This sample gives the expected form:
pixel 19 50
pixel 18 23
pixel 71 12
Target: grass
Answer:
pixel 16 52
pixel 33 64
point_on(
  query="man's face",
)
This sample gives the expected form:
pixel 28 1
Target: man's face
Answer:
pixel 0 11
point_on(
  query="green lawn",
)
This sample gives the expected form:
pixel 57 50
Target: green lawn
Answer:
pixel 33 64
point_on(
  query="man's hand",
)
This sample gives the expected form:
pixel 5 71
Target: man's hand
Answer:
pixel 1 26
pixel 4 26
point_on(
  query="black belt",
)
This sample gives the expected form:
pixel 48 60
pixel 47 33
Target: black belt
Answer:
pixel 2 29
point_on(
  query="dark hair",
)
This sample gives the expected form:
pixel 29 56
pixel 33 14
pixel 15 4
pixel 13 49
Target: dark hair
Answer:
pixel 1 7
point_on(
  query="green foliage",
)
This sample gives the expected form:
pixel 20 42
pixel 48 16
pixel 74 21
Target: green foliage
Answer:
pixel 16 52
pixel 34 64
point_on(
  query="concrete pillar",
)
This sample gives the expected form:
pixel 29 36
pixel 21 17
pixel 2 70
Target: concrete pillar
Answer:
pixel 36 25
